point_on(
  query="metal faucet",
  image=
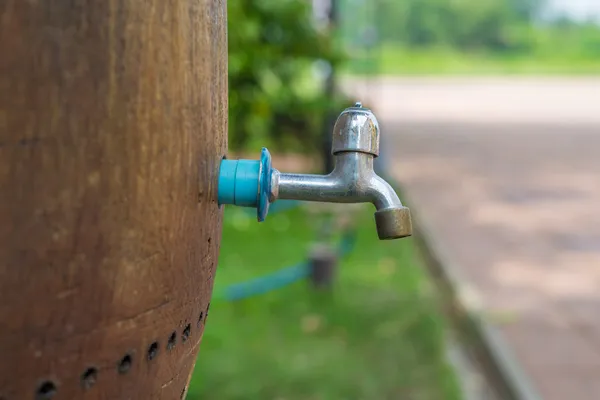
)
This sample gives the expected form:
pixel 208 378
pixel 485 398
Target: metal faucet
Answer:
pixel 355 144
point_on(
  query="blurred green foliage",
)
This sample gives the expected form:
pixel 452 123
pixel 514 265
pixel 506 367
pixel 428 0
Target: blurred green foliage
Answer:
pixel 276 95
pixel 461 24
pixel 481 33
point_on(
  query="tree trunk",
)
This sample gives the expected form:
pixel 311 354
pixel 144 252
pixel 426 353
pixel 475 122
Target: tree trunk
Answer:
pixel 113 121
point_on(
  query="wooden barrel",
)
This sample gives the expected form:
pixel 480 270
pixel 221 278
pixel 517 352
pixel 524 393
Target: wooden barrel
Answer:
pixel 112 126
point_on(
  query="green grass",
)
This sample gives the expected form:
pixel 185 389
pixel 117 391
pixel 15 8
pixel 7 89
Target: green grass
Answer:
pixel 376 335
pixel 393 60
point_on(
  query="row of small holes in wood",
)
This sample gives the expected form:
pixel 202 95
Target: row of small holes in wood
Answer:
pixel 48 389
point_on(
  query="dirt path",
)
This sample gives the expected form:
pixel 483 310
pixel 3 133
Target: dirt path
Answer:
pixel 516 202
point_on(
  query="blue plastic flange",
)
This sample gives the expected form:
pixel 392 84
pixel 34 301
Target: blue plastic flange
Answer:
pixel 247 183
pixel 226 192
pixel 239 182
pixel 247 178
pixel 264 185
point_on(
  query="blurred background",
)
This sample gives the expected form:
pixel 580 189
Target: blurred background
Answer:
pixel 488 111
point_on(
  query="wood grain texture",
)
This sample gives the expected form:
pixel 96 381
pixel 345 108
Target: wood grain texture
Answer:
pixel 112 125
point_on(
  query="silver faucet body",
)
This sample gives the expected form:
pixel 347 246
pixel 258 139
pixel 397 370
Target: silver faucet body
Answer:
pixel 355 144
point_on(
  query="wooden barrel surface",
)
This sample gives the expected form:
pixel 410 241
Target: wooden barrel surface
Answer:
pixel 113 120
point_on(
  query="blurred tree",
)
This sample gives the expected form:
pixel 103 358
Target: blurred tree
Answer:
pixel 276 96
pixel 484 24
pixel 527 10
pixel 462 24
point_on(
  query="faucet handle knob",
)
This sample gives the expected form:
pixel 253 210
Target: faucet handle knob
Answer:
pixel 356 130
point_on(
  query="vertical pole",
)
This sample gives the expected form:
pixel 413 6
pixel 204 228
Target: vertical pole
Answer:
pixel 322 266
pixel 330 91
pixel 381 163
pixel 322 258
pixel 112 127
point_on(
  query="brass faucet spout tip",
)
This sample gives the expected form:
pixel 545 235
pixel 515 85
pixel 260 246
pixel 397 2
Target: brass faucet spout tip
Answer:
pixel 393 223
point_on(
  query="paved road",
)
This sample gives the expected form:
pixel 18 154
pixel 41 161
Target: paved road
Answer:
pixel 572 101
pixel 507 172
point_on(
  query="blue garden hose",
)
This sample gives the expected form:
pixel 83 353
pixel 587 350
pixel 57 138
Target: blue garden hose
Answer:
pixel 280 278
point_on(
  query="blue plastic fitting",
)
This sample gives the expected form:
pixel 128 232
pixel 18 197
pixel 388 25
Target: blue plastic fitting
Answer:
pixel 247 183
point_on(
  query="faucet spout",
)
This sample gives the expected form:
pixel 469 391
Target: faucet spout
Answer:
pixel 392 219
pixel 353 180
pixel 382 195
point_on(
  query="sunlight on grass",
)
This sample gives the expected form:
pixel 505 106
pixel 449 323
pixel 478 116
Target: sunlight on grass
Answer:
pixel 395 60
pixel 376 335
